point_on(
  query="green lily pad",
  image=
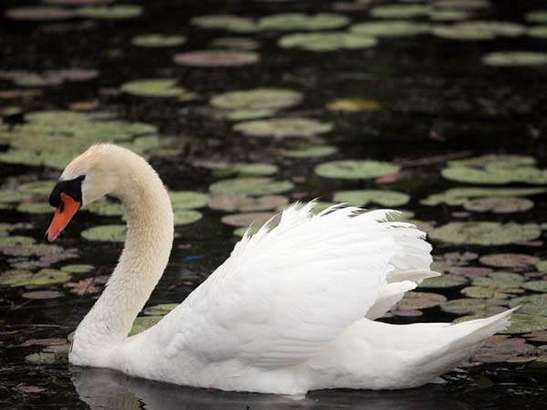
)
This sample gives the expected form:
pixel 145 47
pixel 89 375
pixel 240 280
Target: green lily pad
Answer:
pixel 41 358
pixel 499 205
pixel 257 99
pixel 107 233
pixel 326 41
pixel 479 30
pixel 509 260
pixel 244 115
pixel 216 58
pixel 541 266
pixel 536 285
pixel 364 197
pixel 312 151
pixel 157 87
pixel 524 323
pixel 459 196
pixel 462 4
pixel 392 28
pixel 396 11
pixel 105 207
pixel 536 16
pixel 160 310
pixel 188 200
pixel 485 233
pixel 78 268
pixel 448 15
pixel 225 22
pixel 142 323
pixel 158 40
pixel 353 105
pixel 496 169
pixel 480 292
pixel 186 217
pixel 236 202
pixel 532 304
pixel 42 188
pixel 35 208
pixel 356 169
pixel 225 169
pixel 250 186
pixel 283 127
pixel 119 12
pixel 15 240
pixel 538 32
pixel 515 58
pixel 301 22
pixel 235 43
pixel 247 219
pixel 444 281
pixel 42 295
pixel 44 277
pixel 420 300
pixel 473 306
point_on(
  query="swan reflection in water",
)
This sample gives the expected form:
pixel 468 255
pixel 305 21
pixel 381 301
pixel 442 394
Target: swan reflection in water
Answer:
pixel 107 389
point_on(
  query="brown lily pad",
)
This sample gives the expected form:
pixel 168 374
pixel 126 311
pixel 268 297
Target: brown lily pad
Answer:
pixel 234 202
pixel 216 58
pixel 246 219
pixel 420 300
pixel 509 260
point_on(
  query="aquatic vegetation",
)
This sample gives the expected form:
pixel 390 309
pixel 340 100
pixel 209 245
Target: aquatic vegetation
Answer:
pixel 157 87
pixel 312 151
pixel 108 233
pixel 478 30
pixel 356 169
pixel 330 41
pixel 250 186
pixel 257 99
pixel 353 105
pixel 515 58
pixel 485 233
pixel 283 127
pixel 216 58
pixel 365 197
pixel 158 40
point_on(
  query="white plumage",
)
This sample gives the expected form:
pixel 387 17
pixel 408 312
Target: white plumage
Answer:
pixel 289 311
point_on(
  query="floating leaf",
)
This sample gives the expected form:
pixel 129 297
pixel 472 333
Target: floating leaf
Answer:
pixel 299 21
pixel 35 208
pixel 37 187
pixel 247 219
pixel 313 151
pixel 536 285
pixel 353 105
pixel 474 306
pixel 480 292
pixel 509 260
pixel 532 304
pixel 479 30
pixel 44 277
pixel 216 58
pixel 39 13
pixel 444 281
pixel 158 40
pixel 250 186
pixel 225 22
pixel 108 233
pixel 283 127
pixel 78 268
pixel 393 28
pixel 538 32
pixel 523 323
pixel 160 310
pixel 120 12
pixel 536 16
pixel 83 287
pixel 143 322
pixel 188 200
pixel 105 207
pixel 498 349
pixel 499 205
pixel 157 87
pixel 234 202
pixel 420 300
pixel 356 169
pixel 485 233
pixel 42 295
pixel 515 58
pixel 236 43
pixel 364 197
pixel 326 41
pixel 400 10
pixel 459 196
pixel 257 99
pixel 185 217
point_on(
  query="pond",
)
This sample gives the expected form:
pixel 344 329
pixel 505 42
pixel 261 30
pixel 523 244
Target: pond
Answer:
pixel 437 109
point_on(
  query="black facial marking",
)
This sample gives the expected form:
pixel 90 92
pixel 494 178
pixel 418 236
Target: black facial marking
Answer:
pixel 71 187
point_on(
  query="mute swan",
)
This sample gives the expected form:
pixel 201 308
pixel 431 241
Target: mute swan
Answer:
pixel 291 310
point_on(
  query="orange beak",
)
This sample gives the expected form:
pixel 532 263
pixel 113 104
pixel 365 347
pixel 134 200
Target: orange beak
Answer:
pixel 62 216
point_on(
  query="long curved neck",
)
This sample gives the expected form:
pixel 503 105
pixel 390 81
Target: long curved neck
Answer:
pixel 141 265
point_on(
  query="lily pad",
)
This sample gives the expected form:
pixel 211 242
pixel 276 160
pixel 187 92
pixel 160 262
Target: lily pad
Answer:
pixel 216 58
pixel 473 306
pixel 119 12
pixel 444 281
pixel 326 41
pixel 225 169
pixel 420 300
pixel 257 99
pixel 158 40
pixel 188 200
pixel 480 292
pixel 235 43
pixel 301 22
pixel 226 22
pixel 485 233
pixel 498 349
pixel 160 310
pixel 186 217
pixel 479 30
pixel 509 260
pixel 250 186
pixel 515 58
pixel 35 207
pixel 142 323
pixel 312 151
pixel 247 219
pixel 392 28
pixel 157 87
pixel 356 169
pixel 532 304
pixel 42 278
pixel 536 16
pixel 39 13
pixel 234 202
pixel 42 188
pixel 105 207
pixel 364 197
pixel 353 105
pixel 107 233
pixel 499 205
pixel 400 11
pixel 78 268
pixel 42 295
pixel 538 32
pixel 536 285
pixel 459 196
pixel 524 323
pixel 283 127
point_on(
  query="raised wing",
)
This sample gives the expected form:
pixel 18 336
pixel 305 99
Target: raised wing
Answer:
pixel 287 291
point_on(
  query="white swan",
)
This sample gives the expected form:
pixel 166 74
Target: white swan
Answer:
pixel 291 309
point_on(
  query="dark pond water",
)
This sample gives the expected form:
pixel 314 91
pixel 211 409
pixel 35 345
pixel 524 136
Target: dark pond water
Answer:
pixel 440 91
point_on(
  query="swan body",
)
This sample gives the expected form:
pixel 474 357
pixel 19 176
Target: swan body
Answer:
pixel 291 310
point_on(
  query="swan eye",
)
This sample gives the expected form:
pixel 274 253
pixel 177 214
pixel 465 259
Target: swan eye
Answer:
pixel 70 187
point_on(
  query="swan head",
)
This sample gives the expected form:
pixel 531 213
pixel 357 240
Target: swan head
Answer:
pixel 90 176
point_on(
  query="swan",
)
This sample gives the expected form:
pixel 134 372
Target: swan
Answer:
pixel 291 310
